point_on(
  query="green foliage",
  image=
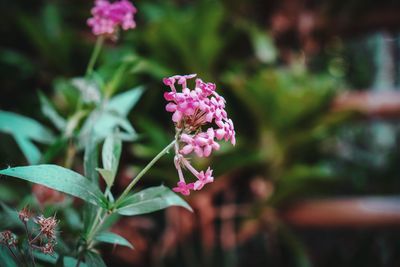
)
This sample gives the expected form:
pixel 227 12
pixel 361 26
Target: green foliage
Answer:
pixel 196 46
pixel 150 200
pixel 49 111
pixel 72 262
pixel 93 259
pixel 111 154
pixel 61 179
pixel 112 238
pixel 105 119
pixel 6 257
pixel 25 130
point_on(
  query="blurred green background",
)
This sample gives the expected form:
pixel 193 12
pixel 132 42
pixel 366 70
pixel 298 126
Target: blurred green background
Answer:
pixel 301 79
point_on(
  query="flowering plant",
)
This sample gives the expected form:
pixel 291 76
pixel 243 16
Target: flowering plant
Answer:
pixel 192 111
pixel 100 117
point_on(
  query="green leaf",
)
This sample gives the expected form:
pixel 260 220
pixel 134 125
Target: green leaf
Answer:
pixel 94 260
pixel 60 179
pixel 124 102
pixel 88 89
pixel 72 218
pixel 31 152
pixel 71 262
pixel 16 124
pixel 102 123
pixel 112 238
pixel 6 257
pixel 90 160
pixel 73 122
pixel 46 257
pixel 150 200
pixel 11 217
pixel 110 155
pixel 25 130
pixel 49 111
pixel 107 175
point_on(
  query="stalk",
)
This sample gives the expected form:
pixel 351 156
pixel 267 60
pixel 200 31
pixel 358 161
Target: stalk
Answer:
pixel 95 55
pixel 143 172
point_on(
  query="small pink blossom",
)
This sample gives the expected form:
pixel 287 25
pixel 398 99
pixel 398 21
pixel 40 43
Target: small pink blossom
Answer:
pixel 108 17
pixel 203 178
pixel 202 144
pixel 183 188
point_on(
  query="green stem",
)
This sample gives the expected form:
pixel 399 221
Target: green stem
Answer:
pixel 95 55
pixel 90 240
pixel 71 151
pixel 28 235
pixel 143 172
pixel 14 256
pixel 94 225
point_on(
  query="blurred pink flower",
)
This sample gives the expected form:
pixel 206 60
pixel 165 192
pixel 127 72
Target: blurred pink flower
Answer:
pixel 108 17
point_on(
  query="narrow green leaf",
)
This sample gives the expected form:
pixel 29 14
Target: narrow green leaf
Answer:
pixel 112 238
pixel 11 216
pixel 71 262
pixel 114 83
pixel 73 122
pixel 30 151
pixel 111 152
pixel 102 123
pixel 107 175
pixel 60 179
pixel 28 128
pixel 45 257
pixel 150 200
pixel 6 257
pixel 25 130
pixel 124 102
pixel 110 155
pixel 72 218
pixel 49 111
pixel 90 160
pixel 93 259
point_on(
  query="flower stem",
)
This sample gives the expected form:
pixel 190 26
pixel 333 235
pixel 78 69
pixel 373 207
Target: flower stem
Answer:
pixel 30 242
pixel 95 55
pixel 143 172
pixel 13 255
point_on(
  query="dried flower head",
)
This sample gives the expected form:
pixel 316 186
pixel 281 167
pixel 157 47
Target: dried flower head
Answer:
pixel 8 238
pixel 25 214
pixel 109 17
pixel 47 226
pixel 48 248
pixel 200 119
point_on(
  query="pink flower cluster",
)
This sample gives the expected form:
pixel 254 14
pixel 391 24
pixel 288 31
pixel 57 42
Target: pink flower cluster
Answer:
pixel 193 110
pixel 107 17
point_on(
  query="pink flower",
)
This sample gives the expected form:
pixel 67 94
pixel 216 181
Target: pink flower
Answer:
pixel 108 17
pixel 202 144
pixel 203 178
pixel 183 188
pixel 192 111
pixel 226 131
